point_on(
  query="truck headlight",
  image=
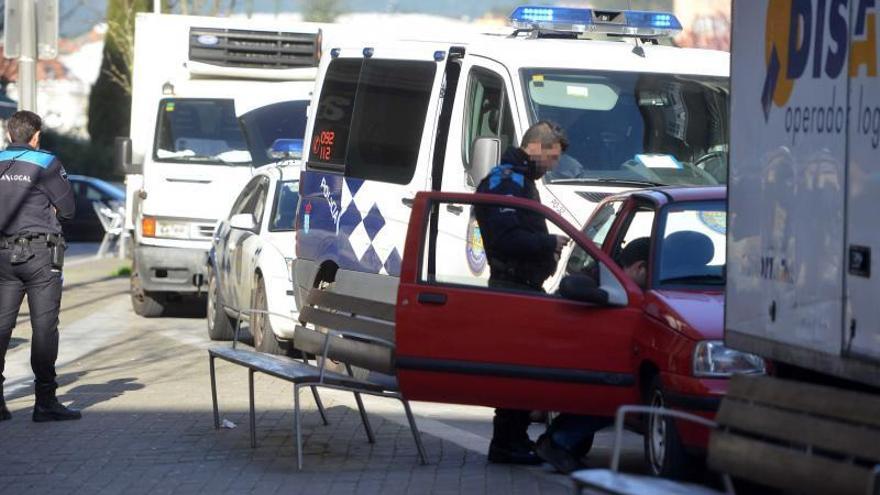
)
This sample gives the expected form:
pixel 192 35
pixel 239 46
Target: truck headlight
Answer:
pixel 712 359
pixel 169 229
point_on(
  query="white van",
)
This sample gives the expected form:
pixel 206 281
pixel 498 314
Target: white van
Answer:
pixel 395 119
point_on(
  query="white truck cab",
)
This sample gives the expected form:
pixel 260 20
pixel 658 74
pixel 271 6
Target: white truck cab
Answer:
pixel 193 78
pixel 391 120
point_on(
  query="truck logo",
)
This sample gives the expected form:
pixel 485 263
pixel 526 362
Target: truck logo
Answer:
pixel 208 40
pixel 814 38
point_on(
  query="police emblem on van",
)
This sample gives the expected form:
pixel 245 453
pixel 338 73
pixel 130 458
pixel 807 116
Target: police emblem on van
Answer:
pixel 476 253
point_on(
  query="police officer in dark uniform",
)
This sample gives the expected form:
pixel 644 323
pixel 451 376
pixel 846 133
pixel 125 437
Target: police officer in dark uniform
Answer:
pixel 34 194
pixel 522 254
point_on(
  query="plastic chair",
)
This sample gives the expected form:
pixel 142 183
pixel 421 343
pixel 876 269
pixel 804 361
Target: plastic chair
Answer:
pixel 112 221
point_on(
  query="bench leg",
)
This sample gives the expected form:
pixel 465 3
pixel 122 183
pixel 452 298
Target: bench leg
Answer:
pixel 252 414
pixel 364 418
pixel 415 431
pixel 214 393
pixel 297 420
pixel 320 406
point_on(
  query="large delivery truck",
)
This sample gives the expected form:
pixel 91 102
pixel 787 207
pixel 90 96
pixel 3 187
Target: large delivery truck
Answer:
pixel 804 188
pixel 193 79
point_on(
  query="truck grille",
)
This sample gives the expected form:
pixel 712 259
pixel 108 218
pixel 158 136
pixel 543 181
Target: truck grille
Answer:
pixel 206 231
pixel 254 49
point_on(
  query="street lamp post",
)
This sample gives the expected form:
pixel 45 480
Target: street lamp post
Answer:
pixel 30 33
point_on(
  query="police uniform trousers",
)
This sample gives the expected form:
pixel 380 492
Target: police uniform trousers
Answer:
pixel 42 284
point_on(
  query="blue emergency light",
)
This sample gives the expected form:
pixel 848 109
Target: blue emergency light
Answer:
pixel 283 148
pixel 634 23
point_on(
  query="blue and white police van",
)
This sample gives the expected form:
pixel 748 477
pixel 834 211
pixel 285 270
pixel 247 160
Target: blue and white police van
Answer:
pixel 393 119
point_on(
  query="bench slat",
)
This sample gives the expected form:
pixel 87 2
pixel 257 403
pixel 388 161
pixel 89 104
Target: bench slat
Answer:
pixel 847 405
pixel 291 370
pixel 784 468
pixel 802 429
pixel 373 357
pixel 335 321
pixel 351 304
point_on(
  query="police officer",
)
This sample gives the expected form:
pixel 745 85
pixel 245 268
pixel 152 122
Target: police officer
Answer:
pixel 522 254
pixel 34 194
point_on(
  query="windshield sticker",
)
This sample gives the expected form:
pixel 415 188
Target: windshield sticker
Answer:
pixel 715 220
pixel 169 107
pixel 538 80
pixel 476 253
pixel 659 161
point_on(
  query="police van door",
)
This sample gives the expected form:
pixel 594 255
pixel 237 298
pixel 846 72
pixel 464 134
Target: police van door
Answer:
pixel 483 108
pixel 368 158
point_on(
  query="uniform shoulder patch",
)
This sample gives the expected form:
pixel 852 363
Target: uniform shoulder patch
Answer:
pixel 41 159
pixel 502 173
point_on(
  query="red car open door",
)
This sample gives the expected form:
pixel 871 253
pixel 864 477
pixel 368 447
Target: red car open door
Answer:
pixel 461 341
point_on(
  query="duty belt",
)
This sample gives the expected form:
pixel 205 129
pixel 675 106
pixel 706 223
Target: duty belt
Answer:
pixel 7 242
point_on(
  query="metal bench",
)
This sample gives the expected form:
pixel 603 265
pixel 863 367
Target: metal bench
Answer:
pixel 791 436
pixel 280 367
pixel 357 333
pixel 352 331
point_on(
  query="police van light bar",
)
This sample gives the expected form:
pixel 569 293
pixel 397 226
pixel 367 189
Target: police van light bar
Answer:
pixel 572 20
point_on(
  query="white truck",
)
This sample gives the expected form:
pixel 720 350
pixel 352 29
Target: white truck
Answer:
pixel 392 119
pixel 187 158
pixel 805 188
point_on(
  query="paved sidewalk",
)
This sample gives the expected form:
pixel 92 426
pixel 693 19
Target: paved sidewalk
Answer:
pixel 148 428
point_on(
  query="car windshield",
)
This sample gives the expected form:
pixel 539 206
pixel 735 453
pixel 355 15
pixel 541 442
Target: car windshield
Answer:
pixel 692 249
pixel 286 201
pixel 263 126
pixel 634 128
pixel 199 131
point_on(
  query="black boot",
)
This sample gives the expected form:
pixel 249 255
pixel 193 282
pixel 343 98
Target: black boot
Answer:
pixel 51 410
pixel 5 415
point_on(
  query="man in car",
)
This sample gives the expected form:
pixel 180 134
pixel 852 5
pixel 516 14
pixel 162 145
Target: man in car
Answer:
pixel 570 436
pixel 522 254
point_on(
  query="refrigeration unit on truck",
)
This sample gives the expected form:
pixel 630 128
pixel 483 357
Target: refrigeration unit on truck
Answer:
pixel 193 78
pixel 805 187
pixel 394 119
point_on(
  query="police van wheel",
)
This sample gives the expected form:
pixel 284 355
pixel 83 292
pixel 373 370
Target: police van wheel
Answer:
pixel 219 324
pixel 264 336
pixel 145 303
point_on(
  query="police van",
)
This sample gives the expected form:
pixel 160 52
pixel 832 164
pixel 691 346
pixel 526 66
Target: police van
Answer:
pixel 391 120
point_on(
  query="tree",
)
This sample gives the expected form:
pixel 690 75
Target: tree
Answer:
pixel 321 10
pixel 110 99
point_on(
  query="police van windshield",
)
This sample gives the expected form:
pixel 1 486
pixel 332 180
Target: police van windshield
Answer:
pixel 199 131
pixel 634 128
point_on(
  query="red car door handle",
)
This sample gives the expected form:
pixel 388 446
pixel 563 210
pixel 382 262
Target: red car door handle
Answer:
pixel 432 298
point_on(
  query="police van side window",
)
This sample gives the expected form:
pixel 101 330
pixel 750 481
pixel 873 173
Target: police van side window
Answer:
pixel 386 131
pixel 488 111
pixel 333 117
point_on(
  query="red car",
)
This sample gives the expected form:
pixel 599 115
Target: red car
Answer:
pixel 578 350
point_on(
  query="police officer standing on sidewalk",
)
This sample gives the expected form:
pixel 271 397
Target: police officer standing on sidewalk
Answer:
pixel 34 194
pixel 522 254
